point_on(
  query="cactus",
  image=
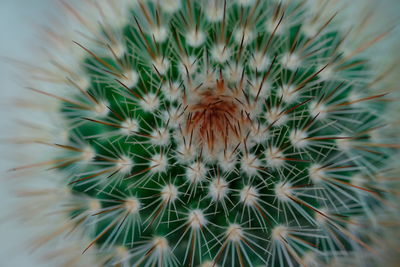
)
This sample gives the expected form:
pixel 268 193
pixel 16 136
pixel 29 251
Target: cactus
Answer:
pixel 217 133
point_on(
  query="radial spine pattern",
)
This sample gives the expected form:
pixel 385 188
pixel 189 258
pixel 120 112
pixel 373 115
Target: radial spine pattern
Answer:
pixel 219 133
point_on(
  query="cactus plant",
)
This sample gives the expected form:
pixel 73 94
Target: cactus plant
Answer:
pixel 216 133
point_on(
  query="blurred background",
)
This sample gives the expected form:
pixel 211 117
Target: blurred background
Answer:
pixel 19 21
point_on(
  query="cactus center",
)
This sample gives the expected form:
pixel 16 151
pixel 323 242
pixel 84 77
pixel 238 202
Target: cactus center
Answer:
pixel 216 118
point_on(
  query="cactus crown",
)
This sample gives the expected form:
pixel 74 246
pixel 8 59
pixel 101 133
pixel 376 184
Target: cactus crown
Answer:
pixel 232 133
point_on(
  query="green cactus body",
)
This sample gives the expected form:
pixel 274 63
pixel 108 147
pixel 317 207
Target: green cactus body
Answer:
pixel 221 133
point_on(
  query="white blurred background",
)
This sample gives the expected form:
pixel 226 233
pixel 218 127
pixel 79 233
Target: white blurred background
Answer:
pixel 19 20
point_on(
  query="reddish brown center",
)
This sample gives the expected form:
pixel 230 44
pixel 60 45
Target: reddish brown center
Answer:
pixel 216 120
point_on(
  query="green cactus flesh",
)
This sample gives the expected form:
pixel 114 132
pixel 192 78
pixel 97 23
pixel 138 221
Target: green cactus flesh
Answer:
pixel 222 133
